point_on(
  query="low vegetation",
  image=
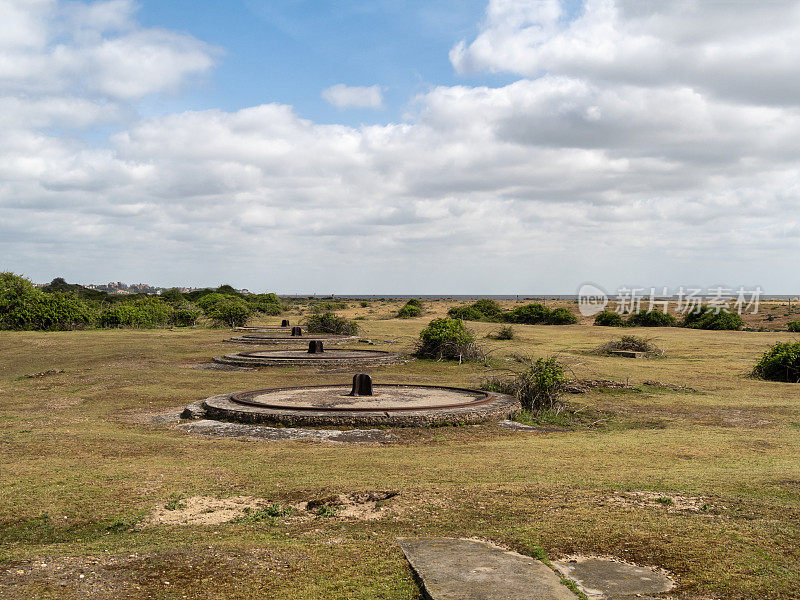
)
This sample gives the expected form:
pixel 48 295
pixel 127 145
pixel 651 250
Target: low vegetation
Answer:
pixel 529 314
pixel 712 318
pixel 505 333
pixel 780 363
pixel 331 323
pixel 794 326
pixel 651 318
pixel 609 318
pixel 448 339
pixel 630 343
pixel 411 309
pixel 538 388
pixel 62 306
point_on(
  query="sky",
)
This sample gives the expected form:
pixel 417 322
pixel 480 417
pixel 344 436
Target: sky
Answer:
pixel 420 147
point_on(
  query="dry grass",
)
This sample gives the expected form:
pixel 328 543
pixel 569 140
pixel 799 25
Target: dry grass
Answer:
pixel 81 466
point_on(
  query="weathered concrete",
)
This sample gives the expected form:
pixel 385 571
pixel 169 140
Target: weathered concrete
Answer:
pixel 283 338
pixel 514 426
pixel 454 569
pixel 303 357
pixel 391 405
pixel 223 429
pixel 609 579
pixel 628 353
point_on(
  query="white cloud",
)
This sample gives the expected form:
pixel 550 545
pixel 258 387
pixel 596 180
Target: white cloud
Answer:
pixel 347 96
pixel 590 167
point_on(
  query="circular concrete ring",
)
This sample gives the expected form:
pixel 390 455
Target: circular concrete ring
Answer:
pixel 302 358
pixel 395 405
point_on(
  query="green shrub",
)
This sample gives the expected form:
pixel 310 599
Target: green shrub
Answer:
pixel 142 313
pixel 231 311
pixel 208 301
pixel 267 304
pixel 447 339
pixel 709 318
pixel 484 309
pixel 537 388
pixel 651 318
pixel 529 314
pixel 172 295
pixel 609 318
pixel 228 290
pixel 23 307
pixel 411 309
pixel 794 326
pixel 58 312
pixel 466 313
pixel 331 323
pixel 561 316
pixel 185 314
pixel 780 363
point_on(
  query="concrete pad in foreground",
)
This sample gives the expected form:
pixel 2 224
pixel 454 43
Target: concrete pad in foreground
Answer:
pixel 454 569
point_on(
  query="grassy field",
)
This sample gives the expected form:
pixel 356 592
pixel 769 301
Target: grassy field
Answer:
pixel 704 482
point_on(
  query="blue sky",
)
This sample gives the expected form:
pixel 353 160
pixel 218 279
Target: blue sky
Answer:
pixel 288 51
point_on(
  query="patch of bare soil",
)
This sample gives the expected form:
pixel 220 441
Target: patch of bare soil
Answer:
pixel 205 510
pixel 150 575
pixel 60 403
pixel 669 502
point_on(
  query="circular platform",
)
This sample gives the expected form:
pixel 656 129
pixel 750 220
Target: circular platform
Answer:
pixel 268 328
pixel 390 404
pixel 302 357
pixel 281 338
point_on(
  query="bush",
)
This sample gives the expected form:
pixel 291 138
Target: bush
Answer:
pixel 23 307
pixel 172 295
pixel 529 314
pixel 267 304
pixel 484 309
pixel 231 311
pixel 411 309
pixel 328 306
pixel 794 326
pixel 331 323
pixel 143 313
pixel 651 318
pixel 185 314
pixel 505 333
pixel 709 318
pixel 561 316
pixel 537 388
pixel 609 318
pixel 632 343
pixel 228 290
pixel 208 301
pixel 780 363
pixel 466 313
pixel 447 339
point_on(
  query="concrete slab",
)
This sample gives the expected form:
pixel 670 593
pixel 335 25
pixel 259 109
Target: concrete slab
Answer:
pixel 455 569
pixel 629 353
pixel 233 430
pixel 610 579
